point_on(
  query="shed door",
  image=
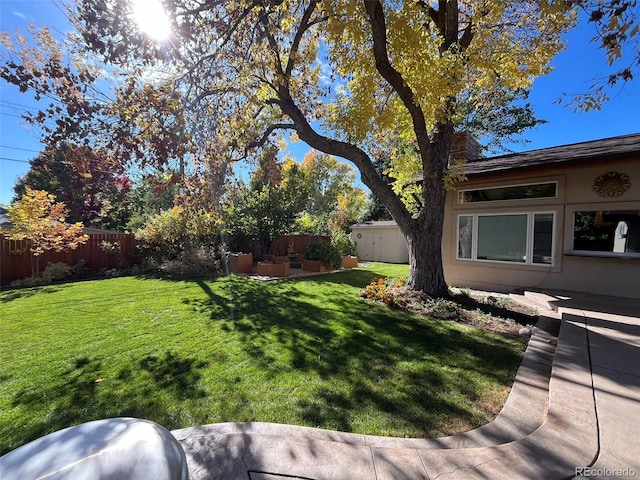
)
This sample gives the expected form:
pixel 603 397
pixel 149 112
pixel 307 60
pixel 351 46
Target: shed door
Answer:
pixel 372 247
pixel 376 247
pixel 368 247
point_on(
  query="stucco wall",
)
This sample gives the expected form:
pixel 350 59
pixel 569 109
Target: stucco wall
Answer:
pixel 608 276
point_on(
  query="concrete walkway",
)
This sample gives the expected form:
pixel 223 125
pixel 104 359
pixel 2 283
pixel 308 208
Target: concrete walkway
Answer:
pixel 574 409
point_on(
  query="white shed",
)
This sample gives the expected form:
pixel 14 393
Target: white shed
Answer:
pixel 380 242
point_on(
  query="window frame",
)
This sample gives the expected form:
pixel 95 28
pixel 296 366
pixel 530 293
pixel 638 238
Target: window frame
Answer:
pixel 529 247
pixel 491 202
pixel 571 218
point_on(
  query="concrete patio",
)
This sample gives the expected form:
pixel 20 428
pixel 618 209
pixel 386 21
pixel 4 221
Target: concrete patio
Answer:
pixel 574 409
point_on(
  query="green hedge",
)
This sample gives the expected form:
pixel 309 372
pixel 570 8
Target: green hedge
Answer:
pixel 325 252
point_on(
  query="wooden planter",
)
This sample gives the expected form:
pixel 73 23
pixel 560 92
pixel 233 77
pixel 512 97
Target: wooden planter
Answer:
pixel 313 266
pixel 349 261
pixel 273 269
pixel 240 262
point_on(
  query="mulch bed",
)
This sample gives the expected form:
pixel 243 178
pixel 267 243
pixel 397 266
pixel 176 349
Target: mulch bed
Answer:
pixel 496 313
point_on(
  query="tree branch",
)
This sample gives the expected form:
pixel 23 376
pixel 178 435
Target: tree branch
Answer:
pixel 392 76
pixel 348 151
pixel 272 128
pixel 304 26
pixel 273 44
pixel 467 36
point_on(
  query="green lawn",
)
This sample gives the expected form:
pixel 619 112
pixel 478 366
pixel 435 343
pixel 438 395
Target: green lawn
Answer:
pixel 308 352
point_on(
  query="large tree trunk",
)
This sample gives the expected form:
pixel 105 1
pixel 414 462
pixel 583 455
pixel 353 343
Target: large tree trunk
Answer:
pixel 424 240
pixel 424 234
pixel 425 261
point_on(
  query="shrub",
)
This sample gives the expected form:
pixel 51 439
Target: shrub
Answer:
pixel 53 272
pixel 80 269
pixel 28 282
pixel 196 262
pixel 171 233
pixel 56 271
pixel 240 243
pixel 115 248
pixel 325 252
pixel 343 243
pixel 389 291
pixel 380 290
pixel 443 309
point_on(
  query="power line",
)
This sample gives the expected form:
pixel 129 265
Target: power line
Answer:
pixel 11 115
pixel 14 160
pixel 27 161
pixel 15 106
pixel 17 148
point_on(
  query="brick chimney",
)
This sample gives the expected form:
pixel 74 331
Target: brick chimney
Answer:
pixel 465 148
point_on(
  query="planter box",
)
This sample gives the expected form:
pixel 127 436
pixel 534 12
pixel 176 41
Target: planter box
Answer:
pixel 313 266
pixel 349 261
pixel 240 262
pixel 273 269
pixel 280 259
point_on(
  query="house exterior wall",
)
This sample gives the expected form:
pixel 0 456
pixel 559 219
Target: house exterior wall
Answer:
pixel 569 271
pixel 380 242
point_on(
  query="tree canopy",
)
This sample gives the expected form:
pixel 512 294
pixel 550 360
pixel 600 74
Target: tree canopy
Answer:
pixel 333 200
pixel 80 179
pixel 271 202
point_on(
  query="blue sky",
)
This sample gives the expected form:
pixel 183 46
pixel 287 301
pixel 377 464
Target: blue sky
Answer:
pixel 575 70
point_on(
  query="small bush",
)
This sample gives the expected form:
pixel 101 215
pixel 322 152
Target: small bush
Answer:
pixel 443 309
pixel 53 272
pixel 197 262
pixel 325 252
pixel 380 290
pixel 343 242
pixel 80 269
pixel 28 282
pixel 390 291
pixel 56 271
pixel 147 265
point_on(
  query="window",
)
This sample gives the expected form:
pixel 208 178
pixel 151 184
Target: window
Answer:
pixel 515 192
pixel 525 238
pixel 607 232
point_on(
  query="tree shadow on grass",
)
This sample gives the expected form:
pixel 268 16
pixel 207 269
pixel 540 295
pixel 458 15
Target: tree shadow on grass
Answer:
pixel 361 278
pixel 357 354
pixel 413 369
pixel 88 390
pixel 418 372
pixel 25 292
pixel 351 277
pixel 179 376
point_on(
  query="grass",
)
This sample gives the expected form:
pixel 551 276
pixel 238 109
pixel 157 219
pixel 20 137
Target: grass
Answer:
pixel 304 351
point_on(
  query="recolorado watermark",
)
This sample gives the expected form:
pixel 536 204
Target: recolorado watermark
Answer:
pixel 605 472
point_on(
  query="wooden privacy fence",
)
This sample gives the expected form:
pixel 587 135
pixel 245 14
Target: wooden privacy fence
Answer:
pixel 280 245
pixel 15 258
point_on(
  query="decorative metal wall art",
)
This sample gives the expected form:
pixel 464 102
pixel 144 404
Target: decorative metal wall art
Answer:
pixel 611 184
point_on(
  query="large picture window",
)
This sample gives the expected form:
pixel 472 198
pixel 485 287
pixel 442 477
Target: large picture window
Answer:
pixel 607 232
pixel 525 238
